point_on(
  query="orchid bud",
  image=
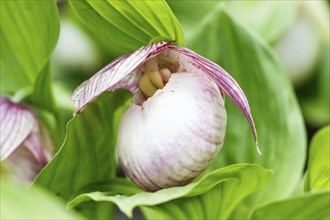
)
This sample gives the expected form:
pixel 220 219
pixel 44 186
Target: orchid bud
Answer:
pixel 176 122
pixel 24 143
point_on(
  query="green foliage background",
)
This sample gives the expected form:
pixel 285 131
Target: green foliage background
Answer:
pixel 83 172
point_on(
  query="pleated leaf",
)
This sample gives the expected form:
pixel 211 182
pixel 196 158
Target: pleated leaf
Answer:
pixel 87 154
pixel 281 133
pixel 235 182
pixel 318 169
pixel 308 206
pixel 29 32
pixel 125 26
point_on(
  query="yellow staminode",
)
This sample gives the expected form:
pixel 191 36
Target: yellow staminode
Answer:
pixel 146 86
pixel 153 78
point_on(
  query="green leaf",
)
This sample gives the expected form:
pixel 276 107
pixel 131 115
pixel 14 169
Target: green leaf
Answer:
pixel 271 19
pixel 318 170
pixel 42 99
pixel 278 120
pixel 231 183
pixel 29 32
pixel 183 11
pixel 127 25
pixel 89 141
pixel 315 99
pixel 308 206
pixel 87 154
pixel 35 203
pixel 43 91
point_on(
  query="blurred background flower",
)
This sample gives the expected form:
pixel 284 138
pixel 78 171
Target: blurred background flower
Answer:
pixel 26 146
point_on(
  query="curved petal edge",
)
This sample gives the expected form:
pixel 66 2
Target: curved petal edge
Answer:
pixel 123 72
pixel 17 122
pixel 225 82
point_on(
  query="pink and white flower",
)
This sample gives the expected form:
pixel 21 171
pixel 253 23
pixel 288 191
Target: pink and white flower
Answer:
pixel 176 122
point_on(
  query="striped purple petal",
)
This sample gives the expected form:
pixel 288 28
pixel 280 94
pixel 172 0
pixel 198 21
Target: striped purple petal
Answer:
pixel 39 143
pixel 17 122
pixel 121 73
pixel 225 82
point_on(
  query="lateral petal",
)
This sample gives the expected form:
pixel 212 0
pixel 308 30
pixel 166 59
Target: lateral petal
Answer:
pixel 217 74
pixel 17 122
pixel 123 72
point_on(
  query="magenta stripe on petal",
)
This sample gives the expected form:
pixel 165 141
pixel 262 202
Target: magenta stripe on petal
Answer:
pixel 34 143
pixel 121 73
pixel 16 123
pixel 225 82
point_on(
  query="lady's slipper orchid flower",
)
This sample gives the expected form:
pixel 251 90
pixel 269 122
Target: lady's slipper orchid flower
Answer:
pixel 176 122
pixel 24 142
